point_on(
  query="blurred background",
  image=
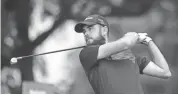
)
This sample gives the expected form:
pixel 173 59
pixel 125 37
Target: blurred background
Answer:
pixel 38 26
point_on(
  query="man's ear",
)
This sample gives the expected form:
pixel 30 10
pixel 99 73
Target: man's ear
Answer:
pixel 105 31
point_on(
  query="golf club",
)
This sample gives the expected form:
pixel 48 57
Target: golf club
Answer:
pixel 15 59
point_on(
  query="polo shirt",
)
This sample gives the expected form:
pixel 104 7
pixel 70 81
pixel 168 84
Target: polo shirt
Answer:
pixel 112 76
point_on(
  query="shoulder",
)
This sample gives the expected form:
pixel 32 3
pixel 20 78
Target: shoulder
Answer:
pixel 88 56
pixel 89 50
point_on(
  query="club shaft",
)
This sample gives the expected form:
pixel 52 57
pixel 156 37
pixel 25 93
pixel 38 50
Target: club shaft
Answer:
pixel 49 52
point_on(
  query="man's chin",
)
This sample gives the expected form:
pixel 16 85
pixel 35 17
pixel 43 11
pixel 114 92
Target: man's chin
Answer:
pixel 88 43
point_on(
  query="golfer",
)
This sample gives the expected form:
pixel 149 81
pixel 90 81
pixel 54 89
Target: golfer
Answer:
pixel 110 66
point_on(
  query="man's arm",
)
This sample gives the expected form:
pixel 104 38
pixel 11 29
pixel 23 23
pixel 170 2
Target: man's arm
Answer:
pixel 159 67
pixel 89 55
pixel 117 46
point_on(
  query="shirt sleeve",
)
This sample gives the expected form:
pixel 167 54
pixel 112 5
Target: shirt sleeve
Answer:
pixel 88 57
pixel 142 63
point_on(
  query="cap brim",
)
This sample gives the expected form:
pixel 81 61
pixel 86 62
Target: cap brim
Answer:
pixel 80 25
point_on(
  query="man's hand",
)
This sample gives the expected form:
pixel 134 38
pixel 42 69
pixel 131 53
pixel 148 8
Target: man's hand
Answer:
pixel 132 38
pixel 143 38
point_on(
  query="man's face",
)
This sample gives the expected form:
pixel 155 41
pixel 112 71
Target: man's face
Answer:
pixel 93 34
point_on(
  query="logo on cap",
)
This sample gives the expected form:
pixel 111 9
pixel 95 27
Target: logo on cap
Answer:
pixel 89 18
pixel 101 21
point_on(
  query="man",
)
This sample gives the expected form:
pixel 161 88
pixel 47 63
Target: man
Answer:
pixel 110 66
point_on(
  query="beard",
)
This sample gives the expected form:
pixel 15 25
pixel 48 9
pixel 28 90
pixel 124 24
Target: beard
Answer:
pixel 90 41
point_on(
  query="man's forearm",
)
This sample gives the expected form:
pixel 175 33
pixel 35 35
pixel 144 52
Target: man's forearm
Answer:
pixel 112 48
pixel 124 43
pixel 157 56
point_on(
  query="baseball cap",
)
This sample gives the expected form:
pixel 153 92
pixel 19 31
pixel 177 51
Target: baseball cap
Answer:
pixel 91 20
